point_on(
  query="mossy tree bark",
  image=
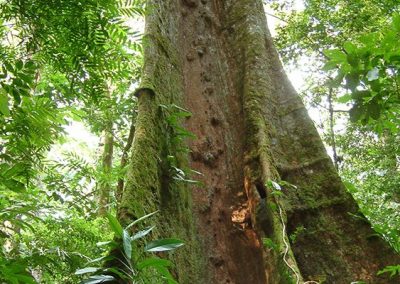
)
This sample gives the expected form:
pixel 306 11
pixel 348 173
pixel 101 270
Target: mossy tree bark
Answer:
pixel 216 59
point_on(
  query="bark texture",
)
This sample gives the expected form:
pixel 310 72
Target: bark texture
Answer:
pixel 216 59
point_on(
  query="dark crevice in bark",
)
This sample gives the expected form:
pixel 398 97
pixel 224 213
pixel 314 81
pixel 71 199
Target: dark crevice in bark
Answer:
pixel 261 189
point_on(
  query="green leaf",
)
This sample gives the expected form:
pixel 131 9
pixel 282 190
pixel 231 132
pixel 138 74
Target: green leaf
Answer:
pixel 163 245
pixel 15 171
pixel 344 99
pixel 356 113
pixel 86 270
pixel 26 279
pixel 273 185
pixel 329 65
pixel 115 225
pixel 336 55
pixel 396 22
pixel 287 184
pixel 361 95
pixel 352 81
pixel 160 265
pixel 19 83
pixel 118 272
pixel 141 234
pixel 14 185
pixel 140 219
pixel 30 65
pixel 126 238
pixel 103 258
pixel 277 193
pixel 26 78
pixel 153 262
pixel 95 279
pixel 19 64
pixel 16 95
pixel 392 269
pixel 353 60
pixel 9 67
pixel 4 104
pixel 349 47
pixel 376 86
pixel 374 110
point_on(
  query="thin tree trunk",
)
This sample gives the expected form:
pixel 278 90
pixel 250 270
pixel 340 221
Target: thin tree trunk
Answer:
pixel 332 130
pixel 216 58
pixel 105 184
pixel 124 159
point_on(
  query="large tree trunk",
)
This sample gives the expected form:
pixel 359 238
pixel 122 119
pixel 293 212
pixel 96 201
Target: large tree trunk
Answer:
pixel 216 59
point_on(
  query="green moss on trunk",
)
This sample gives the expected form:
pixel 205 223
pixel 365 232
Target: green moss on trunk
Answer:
pixel 149 186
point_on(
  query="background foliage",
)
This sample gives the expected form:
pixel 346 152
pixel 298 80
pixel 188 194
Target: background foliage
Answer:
pixel 62 62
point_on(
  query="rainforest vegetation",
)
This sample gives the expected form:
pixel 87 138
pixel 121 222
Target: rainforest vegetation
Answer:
pixel 161 141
